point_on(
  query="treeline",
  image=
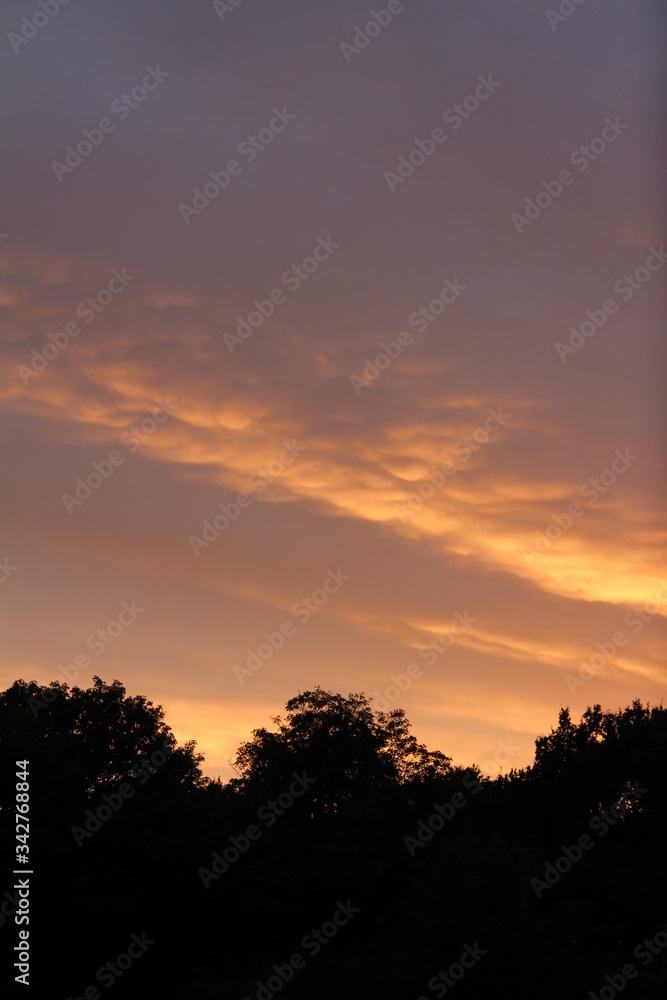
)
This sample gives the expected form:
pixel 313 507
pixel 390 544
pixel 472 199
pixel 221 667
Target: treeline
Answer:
pixel 346 860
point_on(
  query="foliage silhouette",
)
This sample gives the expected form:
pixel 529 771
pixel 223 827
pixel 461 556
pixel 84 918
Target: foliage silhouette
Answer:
pixel 338 836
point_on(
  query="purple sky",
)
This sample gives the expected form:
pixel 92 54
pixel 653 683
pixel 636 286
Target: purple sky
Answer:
pixel 328 450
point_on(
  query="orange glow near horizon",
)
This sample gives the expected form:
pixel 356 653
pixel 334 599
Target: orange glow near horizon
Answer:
pixel 406 482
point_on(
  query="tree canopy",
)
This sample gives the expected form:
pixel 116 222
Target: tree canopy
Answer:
pixel 351 748
pixel 337 808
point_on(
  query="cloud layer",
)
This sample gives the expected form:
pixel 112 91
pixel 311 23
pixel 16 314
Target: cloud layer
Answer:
pixel 435 446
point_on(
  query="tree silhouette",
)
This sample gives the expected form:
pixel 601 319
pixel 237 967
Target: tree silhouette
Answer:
pixel 348 747
pixel 92 737
pixel 470 880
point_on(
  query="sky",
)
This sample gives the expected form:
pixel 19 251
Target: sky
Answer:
pixel 212 492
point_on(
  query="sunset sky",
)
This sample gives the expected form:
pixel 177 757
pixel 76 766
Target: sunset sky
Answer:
pixel 178 271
